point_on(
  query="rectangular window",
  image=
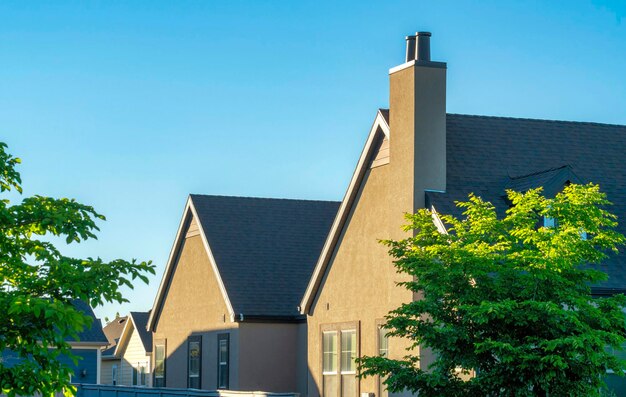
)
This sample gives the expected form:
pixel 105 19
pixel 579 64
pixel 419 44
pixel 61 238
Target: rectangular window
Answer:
pixel 223 347
pixel 329 358
pixel 139 374
pixel 348 365
pixel 194 350
pixel 340 346
pixel 159 365
pixel 114 374
pixel 383 350
pixel 135 375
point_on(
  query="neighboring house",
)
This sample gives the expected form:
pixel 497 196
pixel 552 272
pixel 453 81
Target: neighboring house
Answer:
pixel 417 156
pixel 87 348
pixel 134 351
pixel 225 315
pixel 110 362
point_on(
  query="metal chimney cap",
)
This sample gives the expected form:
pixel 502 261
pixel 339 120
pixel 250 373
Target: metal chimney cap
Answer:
pixel 428 34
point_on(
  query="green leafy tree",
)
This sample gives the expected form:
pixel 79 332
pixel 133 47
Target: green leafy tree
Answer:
pixel 39 284
pixel 507 306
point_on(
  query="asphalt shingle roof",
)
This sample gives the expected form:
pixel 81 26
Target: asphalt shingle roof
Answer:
pixel 486 155
pixel 265 249
pixel 93 333
pixel 141 322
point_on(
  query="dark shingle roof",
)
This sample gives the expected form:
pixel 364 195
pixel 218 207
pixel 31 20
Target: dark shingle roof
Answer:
pixel 141 321
pixel 93 333
pixel 265 249
pixel 486 155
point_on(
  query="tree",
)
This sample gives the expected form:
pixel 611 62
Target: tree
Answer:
pixel 507 306
pixel 39 284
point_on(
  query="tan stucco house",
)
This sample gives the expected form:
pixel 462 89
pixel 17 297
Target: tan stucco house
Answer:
pixel 225 315
pixel 418 156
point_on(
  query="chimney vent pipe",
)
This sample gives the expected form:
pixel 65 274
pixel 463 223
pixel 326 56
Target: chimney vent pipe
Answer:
pixel 422 51
pixel 410 48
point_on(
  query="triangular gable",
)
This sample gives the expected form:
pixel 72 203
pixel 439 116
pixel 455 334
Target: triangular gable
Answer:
pixel 378 133
pixel 124 338
pixel 190 217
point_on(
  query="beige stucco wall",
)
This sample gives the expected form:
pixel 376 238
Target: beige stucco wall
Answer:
pixel 263 356
pixel 359 284
pixel 194 305
pixel 272 357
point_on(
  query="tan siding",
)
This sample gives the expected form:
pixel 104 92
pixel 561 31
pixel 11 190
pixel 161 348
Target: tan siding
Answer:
pixel 194 305
pixel 381 153
pixel 193 230
pixel 133 355
pixel 105 371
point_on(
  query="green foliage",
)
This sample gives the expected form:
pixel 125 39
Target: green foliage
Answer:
pixel 39 284
pixel 507 305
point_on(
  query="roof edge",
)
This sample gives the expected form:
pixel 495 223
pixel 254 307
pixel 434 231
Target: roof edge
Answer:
pixel 379 124
pixel 169 268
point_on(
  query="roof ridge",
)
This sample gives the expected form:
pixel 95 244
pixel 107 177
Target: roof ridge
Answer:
pixel 262 198
pixel 536 119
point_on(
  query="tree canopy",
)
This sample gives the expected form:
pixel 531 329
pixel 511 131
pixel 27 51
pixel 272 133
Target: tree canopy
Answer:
pixel 39 284
pixel 506 303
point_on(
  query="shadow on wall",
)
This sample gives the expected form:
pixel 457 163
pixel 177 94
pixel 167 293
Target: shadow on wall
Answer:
pixel 252 356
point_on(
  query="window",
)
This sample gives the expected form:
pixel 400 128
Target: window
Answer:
pixel 139 374
pixel 114 374
pixel 549 222
pixel 339 353
pixel 194 361
pixel 348 365
pixel 329 370
pixel 159 364
pixel 223 342
pixel 383 350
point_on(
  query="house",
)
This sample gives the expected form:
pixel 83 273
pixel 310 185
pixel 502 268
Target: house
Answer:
pixel 225 315
pixel 134 351
pixel 418 156
pixel 109 362
pixel 86 348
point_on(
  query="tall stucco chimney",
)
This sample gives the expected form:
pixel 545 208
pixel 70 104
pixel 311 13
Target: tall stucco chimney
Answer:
pixel 417 111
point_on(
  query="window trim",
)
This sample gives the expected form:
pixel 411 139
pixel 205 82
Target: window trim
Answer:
pixel 220 338
pixel 158 343
pixel 190 340
pixel 338 327
pixel 380 324
pixel 114 374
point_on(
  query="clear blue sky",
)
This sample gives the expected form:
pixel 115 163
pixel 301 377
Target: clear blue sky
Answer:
pixel 131 106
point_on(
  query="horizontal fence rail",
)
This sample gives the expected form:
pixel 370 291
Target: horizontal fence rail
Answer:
pixel 89 390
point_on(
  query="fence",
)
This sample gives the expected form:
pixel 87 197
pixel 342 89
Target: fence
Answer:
pixel 88 390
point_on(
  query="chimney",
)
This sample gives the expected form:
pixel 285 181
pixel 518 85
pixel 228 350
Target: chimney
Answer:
pixel 417 111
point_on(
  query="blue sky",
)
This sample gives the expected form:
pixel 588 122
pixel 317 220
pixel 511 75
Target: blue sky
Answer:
pixel 131 106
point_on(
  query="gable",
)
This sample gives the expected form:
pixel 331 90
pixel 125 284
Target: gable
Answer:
pixel 191 254
pixel 371 152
